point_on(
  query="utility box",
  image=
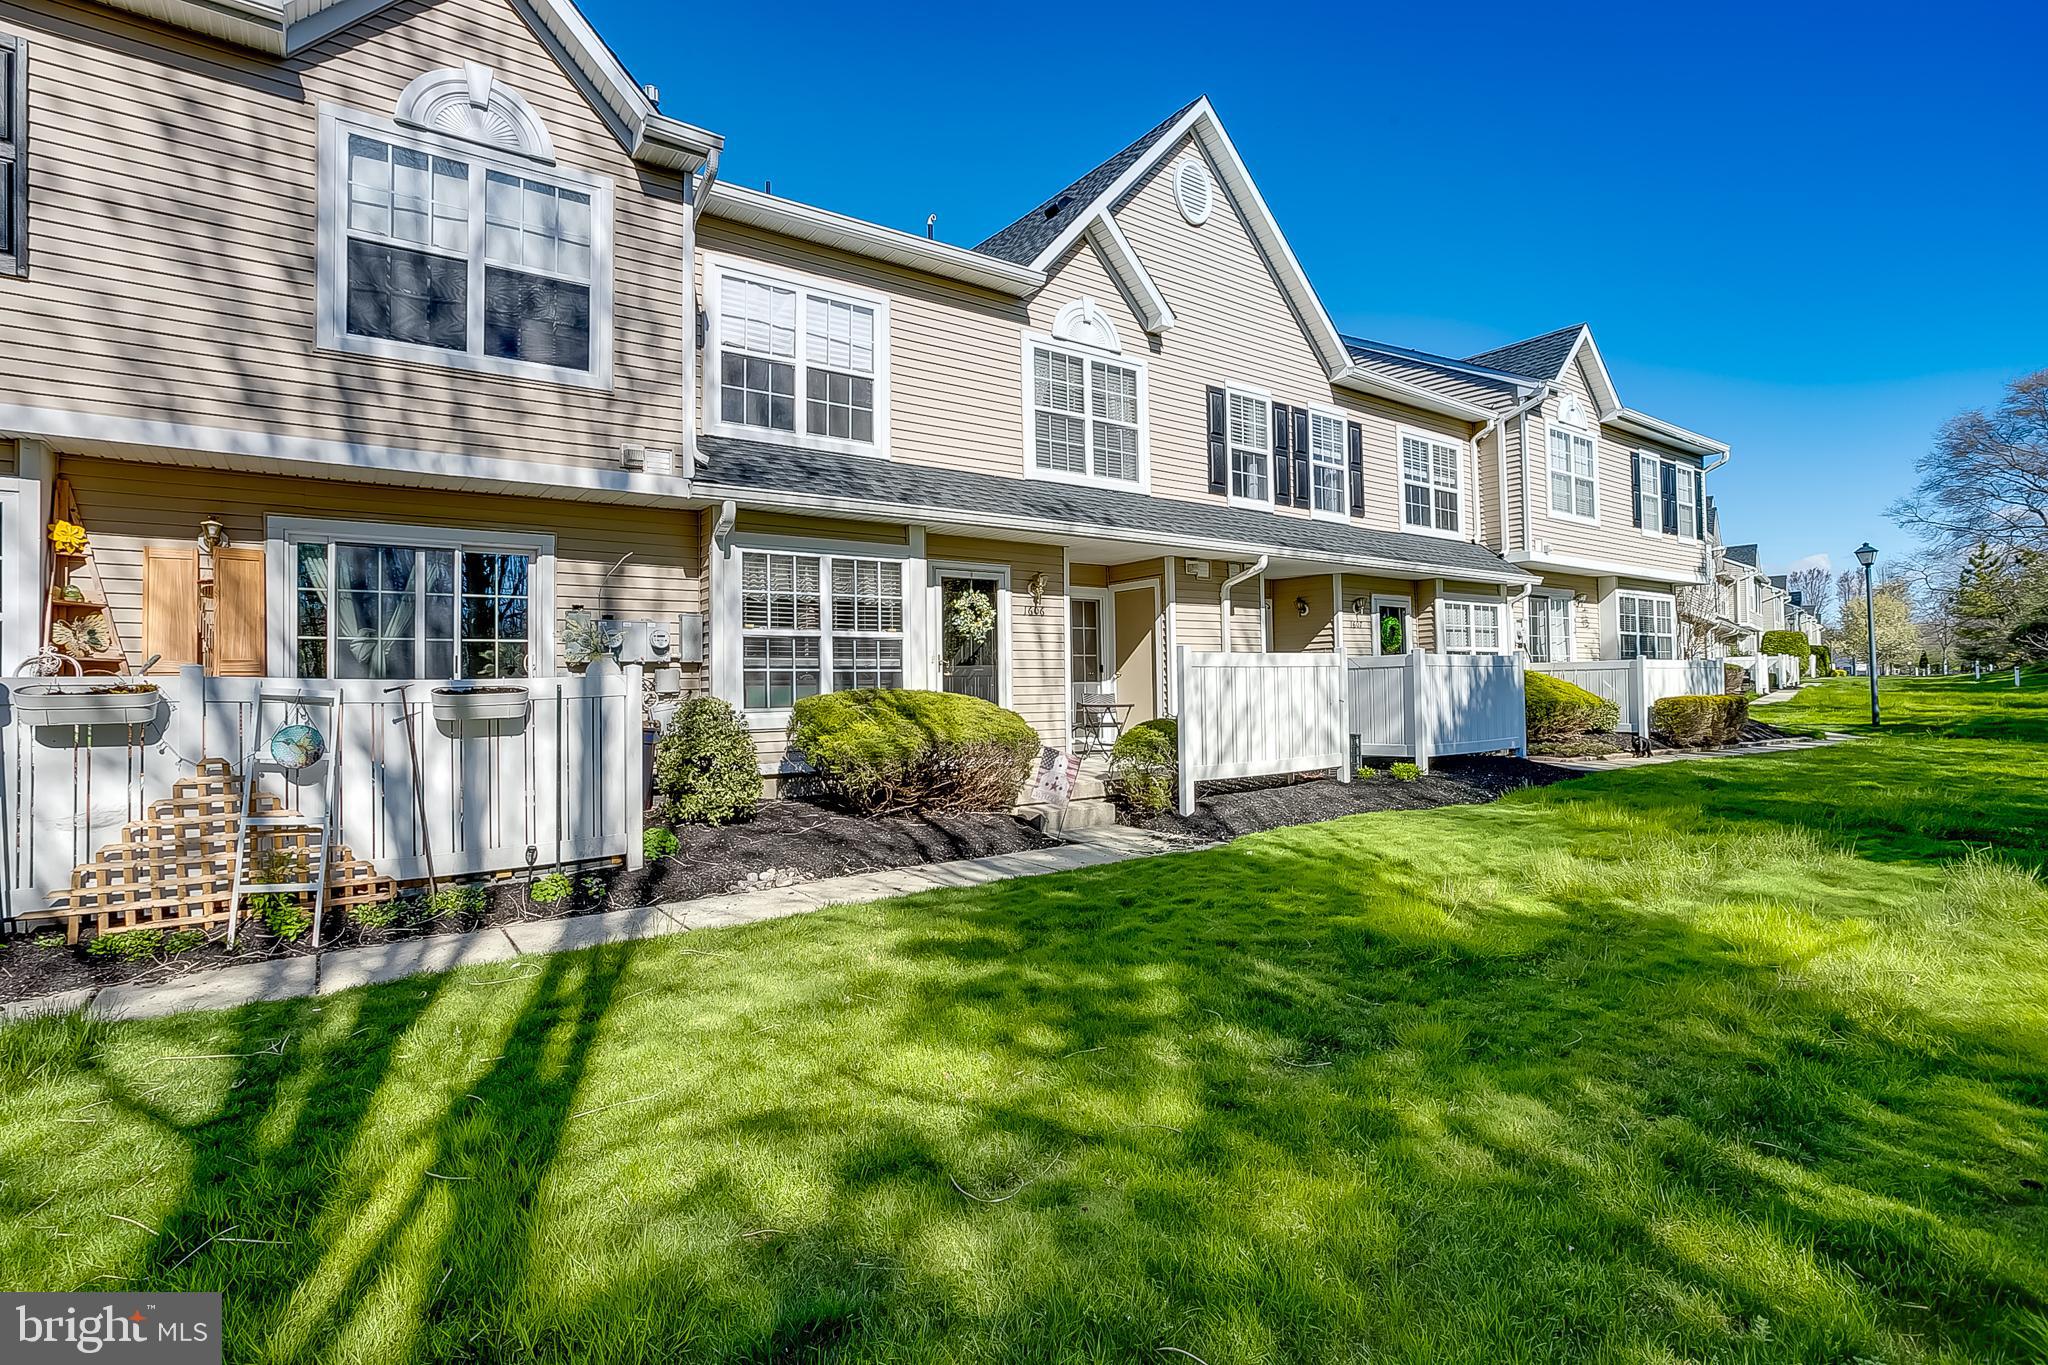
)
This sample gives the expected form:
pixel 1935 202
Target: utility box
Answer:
pixel 688 646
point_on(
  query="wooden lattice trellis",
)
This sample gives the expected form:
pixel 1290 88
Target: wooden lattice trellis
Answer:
pixel 175 869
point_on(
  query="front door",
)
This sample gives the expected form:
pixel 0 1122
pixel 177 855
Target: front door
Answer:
pixel 971 635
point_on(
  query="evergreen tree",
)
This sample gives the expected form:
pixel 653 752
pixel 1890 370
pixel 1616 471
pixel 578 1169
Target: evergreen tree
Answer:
pixel 1986 607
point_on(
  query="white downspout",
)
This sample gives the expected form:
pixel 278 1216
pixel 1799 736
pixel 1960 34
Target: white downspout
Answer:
pixel 1253 572
pixel 700 194
pixel 1516 414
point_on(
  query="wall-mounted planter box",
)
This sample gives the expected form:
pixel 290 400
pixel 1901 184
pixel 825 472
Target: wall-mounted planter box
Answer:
pixel 453 705
pixel 64 705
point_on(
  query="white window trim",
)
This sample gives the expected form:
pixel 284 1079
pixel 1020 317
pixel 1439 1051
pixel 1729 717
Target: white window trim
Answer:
pixel 21 559
pixel 1669 599
pixel 1465 508
pixel 1504 642
pixel 1388 599
pixel 280 587
pixel 1550 502
pixel 728 654
pixel 1343 421
pixel 957 568
pixel 717 268
pixel 1236 499
pixel 1569 598
pixel 1036 341
pixel 331 276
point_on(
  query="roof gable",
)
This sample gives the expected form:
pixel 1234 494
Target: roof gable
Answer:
pixel 1049 231
pixel 284 28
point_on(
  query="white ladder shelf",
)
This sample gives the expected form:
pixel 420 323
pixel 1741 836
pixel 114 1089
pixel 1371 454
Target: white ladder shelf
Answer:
pixel 259 763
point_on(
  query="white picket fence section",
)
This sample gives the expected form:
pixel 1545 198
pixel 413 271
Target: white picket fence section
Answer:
pixel 1636 685
pixel 566 783
pixel 1259 715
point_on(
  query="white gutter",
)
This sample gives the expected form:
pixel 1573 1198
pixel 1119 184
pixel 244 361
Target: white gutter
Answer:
pixel 871 241
pixel 1521 416
pixel 1499 426
pixel 1253 572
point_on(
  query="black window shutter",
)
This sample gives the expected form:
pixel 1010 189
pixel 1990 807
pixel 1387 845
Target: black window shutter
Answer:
pixel 1699 505
pixel 13 155
pixel 1283 464
pixel 1635 486
pixel 1301 475
pixel 1667 494
pixel 1354 435
pixel 1219 453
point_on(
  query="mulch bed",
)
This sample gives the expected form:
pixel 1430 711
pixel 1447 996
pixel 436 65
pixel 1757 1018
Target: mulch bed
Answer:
pixel 1225 810
pixel 787 843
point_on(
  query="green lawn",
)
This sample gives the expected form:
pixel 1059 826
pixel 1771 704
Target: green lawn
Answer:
pixel 1741 1060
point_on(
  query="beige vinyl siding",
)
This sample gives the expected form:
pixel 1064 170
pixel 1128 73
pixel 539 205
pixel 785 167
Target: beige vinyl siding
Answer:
pixel 10 457
pixel 955 358
pixel 1294 633
pixel 1198 610
pixel 1585 611
pixel 188 294
pixel 1038 633
pixel 828 529
pixel 957 354
pixel 1087 576
pixel 127 506
pixel 1616 539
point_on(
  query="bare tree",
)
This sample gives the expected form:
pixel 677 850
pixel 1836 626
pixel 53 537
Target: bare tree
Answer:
pixel 1816 589
pixel 1986 480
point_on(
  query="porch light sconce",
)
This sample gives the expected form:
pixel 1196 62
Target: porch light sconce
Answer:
pixel 1035 585
pixel 1358 606
pixel 212 535
pixel 1301 606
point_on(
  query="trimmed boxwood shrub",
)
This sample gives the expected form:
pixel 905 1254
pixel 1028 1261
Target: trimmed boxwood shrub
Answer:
pixel 1697 721
pixel 1786 642
pixel 705 770
pixel 884 750
pixel 1144 766
pixel 1563 710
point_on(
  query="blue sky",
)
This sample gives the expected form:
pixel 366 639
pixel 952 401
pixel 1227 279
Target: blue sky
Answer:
pixel 1811 231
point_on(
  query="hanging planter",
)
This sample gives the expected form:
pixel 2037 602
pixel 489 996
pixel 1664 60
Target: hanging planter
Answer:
pixel 972 617
pixel 493 702
pixel 65 705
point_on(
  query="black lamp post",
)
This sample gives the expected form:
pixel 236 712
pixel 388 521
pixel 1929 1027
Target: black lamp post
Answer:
pixel 1867 556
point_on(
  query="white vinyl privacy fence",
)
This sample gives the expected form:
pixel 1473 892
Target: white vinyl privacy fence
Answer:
pixel 1636 685
pixel 1257 715
pixel 561 782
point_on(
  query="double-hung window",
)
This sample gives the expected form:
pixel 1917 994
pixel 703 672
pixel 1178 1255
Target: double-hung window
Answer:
pixel 1669 496
pixel 1469 627
pixel 378 602
pixel 1327 465
pixel 796 359
pixel 812 623
pixel 1087 413
pixel 1550 628
pixel 1251 447
pixel 1574 488
pixel 13 155
pixel 1429 483
pixel 1649 626
pixel 440 250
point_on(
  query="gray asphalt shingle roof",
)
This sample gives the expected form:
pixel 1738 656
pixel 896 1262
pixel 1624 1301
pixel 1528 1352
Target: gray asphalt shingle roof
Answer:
pixel 745 466
pixel 1439 374
pixel 1741 554
pixel 1022 241
pixel 1539 357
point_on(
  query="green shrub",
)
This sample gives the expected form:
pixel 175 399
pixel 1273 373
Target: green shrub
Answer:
pixel 1785 642
pixel 657 844
pixel 379 914
pixel 1405 772
pixel 183 941
pixel 552 889
pixel 128 945
pixel 1367 773
pixel 282 913
pixel 1696 721
pixel 705 768
pixel 1144 767
pixel 455 900
pixel 881 750
pixel 1563 710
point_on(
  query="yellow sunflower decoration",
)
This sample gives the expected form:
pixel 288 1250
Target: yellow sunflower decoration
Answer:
pixel 67 537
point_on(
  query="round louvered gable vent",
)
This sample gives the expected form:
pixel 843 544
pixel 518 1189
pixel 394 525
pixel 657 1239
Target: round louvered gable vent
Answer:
pixel 1193 191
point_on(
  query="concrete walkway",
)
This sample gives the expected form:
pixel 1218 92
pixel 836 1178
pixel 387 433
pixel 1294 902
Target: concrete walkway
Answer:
pixel 1611 762
pixel 343 969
